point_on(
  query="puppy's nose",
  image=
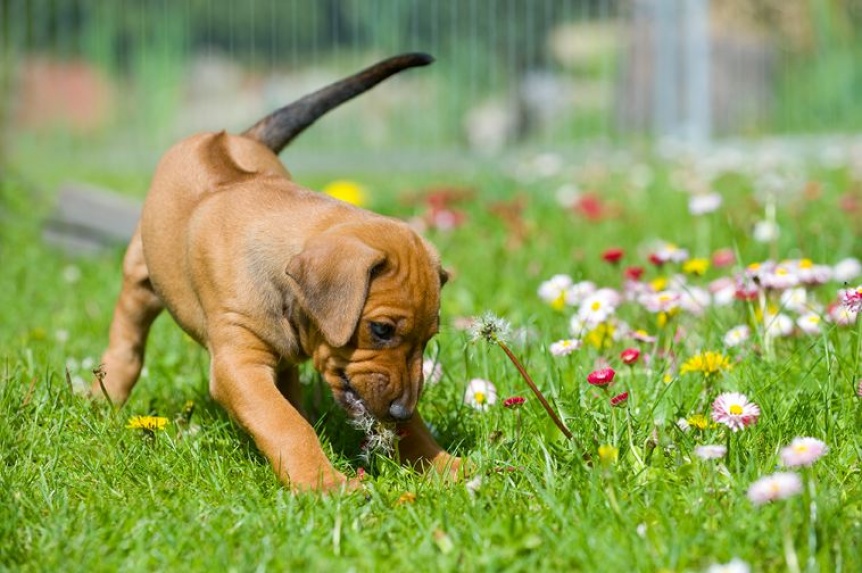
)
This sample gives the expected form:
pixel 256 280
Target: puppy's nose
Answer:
pixel 399 412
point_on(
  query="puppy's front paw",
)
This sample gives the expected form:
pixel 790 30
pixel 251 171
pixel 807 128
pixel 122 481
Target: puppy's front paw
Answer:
pixel 450 467
pixel 328 482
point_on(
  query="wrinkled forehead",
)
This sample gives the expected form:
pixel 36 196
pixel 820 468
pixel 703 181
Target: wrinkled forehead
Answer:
pixel 408 283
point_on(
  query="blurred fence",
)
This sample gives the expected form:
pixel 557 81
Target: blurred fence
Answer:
pixel 117 80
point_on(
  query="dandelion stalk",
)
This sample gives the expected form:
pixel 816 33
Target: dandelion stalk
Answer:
pixel 493 330
pixel 99 373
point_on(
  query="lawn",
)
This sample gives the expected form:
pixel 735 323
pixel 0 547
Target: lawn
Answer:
pixel 584 259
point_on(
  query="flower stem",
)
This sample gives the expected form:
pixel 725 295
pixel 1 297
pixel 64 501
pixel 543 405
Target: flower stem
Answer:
pixel 523 372
pixel 811 502
pixel 790 556
pixel 517 426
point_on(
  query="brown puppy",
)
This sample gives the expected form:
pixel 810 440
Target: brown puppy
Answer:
pixel 266 274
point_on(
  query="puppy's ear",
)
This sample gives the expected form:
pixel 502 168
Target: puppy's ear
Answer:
pixel 444 276
pixel 330 279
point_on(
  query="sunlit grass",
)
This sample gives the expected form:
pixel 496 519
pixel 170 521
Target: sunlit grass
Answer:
pixel 82 491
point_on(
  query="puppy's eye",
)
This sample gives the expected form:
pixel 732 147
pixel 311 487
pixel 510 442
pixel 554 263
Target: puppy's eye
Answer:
pixel 382 330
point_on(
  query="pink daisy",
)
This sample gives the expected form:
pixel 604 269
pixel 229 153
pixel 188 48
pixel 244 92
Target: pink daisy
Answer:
pixel 803 452
pixel 710 452
pixel 734 411
pixel 620 399
pixel 564 347
pixel 780 485
pixel 514 402
pixel 852 299
pixel 630 356
pixel 601 377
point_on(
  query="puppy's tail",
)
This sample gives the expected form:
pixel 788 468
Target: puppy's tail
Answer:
pixel 280 127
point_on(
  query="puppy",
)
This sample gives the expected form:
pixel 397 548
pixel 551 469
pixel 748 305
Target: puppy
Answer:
pixel 265 274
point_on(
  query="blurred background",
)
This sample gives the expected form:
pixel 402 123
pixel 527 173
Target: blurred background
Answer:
pixel 107 85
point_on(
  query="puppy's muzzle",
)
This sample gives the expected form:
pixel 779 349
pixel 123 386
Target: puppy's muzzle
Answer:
pixel 399 411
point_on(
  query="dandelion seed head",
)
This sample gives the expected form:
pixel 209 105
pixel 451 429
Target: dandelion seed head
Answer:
pixel 490 328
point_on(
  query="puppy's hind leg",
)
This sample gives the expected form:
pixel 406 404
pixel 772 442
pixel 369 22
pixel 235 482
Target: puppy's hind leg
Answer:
pixel 136 309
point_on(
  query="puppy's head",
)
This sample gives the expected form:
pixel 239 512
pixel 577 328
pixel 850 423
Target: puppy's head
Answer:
pixel 371 292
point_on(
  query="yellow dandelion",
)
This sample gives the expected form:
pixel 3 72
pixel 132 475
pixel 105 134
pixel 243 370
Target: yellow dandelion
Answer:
pixel 708 363
pixel 347 191
pixel 664 317
pixel 608 454
pixel 559 303
pixel 697 267
pixel 148 423
pixel 698 422
pixel 658 284
pixel 602 336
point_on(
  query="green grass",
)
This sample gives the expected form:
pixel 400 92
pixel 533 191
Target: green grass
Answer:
pixel 80 491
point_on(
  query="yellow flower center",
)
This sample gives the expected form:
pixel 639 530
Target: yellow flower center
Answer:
pixel 806 264
pixel 658 284
pixel 735 409
pixel 608 454
pixel 479 397
pixel 662 319
pixel 560 302
pixel 601 336
pixel 596 305
pixel 696 266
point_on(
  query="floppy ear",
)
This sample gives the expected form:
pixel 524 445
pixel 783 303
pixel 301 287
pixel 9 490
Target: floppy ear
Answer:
pixel 330 279
pixel 444 276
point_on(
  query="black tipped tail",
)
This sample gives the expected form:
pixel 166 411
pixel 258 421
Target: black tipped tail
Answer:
pixel 280 127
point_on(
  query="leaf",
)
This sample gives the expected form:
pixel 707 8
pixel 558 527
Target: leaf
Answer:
pixel 443 542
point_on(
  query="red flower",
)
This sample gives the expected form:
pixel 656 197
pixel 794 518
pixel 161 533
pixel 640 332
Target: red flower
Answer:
pixel 656 259
pixel 602 377
pixel 630 355
pixel 619 399
pixel 513 402
pixel 613 256
pixel 723 258
pixel 591 206
pixel 633 273
pixel 444 219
